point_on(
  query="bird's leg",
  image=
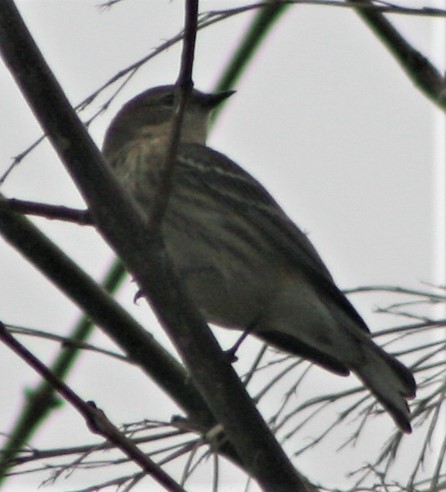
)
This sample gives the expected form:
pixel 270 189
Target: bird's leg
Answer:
pixel 232 351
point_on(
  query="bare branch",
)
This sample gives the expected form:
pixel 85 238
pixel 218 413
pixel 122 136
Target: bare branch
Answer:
pixel 58 212
pixel 95 419
pixel 143 253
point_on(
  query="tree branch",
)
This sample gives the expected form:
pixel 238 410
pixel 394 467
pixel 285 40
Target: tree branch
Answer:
pixel 58 212
pixel 133 339
pixel 417 67
pixel 95 419
pixel 143 253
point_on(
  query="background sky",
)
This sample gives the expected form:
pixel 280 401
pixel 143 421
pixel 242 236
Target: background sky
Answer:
pixel 324 118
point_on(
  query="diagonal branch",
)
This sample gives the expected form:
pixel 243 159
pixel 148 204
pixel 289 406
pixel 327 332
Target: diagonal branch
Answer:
pixel 143 253
pixel 133 339
pixel 95 419
pixel 35 410
pixel 417 67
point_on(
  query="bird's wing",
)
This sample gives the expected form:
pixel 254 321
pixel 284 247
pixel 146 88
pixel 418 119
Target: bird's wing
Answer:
pixel 240 193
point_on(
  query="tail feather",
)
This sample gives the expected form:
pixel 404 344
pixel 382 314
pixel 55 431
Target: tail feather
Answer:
pixel 390 381
pixel 387 378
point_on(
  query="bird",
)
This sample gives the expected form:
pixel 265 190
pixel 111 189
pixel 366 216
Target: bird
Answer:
pixel 244 263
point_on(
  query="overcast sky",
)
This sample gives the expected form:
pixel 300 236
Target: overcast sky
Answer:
pixel 324 118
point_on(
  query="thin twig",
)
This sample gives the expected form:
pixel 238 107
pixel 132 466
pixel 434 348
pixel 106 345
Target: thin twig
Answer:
pixel 95 419
pixel 48 211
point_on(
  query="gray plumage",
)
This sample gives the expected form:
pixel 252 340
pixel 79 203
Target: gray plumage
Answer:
pixel 245 264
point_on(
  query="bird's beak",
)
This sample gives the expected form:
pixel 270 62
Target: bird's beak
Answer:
pixel 213 100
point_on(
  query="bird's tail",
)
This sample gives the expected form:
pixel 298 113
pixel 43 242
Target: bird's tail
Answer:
pixel 390 381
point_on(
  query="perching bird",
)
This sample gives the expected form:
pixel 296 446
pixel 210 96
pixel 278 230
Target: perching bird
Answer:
pixel 245 264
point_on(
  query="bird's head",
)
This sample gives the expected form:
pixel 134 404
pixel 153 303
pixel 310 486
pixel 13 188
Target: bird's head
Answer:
pixel 150 115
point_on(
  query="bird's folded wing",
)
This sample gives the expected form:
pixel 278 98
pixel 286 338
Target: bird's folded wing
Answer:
pixel 240 193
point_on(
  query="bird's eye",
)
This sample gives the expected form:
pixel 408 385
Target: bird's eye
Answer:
pixel 168 100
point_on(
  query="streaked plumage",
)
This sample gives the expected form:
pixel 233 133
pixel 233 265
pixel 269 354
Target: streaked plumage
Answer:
pixel 245 263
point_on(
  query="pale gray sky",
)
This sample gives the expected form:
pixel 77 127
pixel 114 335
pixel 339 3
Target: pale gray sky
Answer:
pixel 324 118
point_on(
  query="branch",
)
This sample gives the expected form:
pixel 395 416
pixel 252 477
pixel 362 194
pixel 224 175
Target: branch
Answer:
pixel 130 336
pixel 58 212
pixel 417 67
pixel 143 253
pixel 263 21
pixel 40 400
pixel 184 87
pixel 397 290
pixel 95 419
pixel 65 342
